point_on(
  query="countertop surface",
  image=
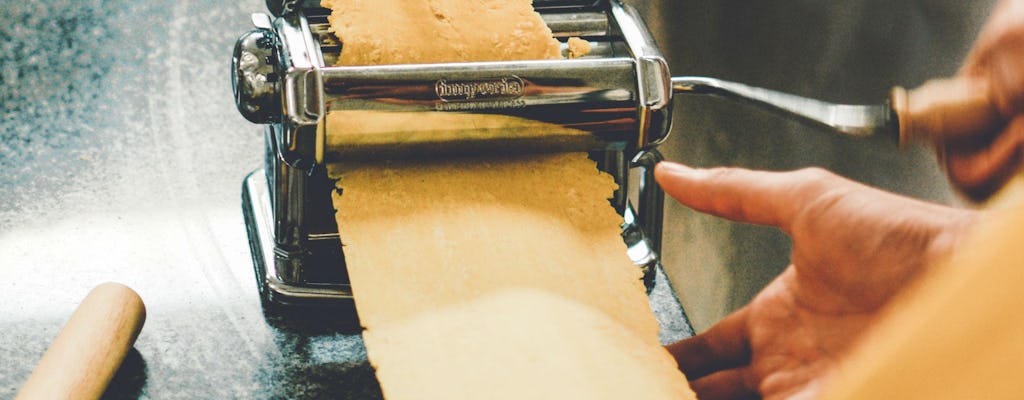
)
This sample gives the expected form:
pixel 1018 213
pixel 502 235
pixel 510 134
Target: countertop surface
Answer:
pixel 121 159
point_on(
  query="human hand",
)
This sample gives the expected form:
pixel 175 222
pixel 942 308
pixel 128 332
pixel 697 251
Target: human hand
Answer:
pixel 854 247
pixel 979 164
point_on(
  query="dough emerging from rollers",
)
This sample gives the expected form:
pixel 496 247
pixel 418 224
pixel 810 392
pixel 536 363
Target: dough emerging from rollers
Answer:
pixel 500 279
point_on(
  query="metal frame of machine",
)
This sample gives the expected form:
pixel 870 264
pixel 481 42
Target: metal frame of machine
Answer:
pixel 620 95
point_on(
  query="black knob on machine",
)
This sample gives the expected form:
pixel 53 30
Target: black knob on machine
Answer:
pixel 254 75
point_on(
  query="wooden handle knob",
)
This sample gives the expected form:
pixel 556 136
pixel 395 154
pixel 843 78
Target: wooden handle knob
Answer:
pixel 90 348
pixel 944 109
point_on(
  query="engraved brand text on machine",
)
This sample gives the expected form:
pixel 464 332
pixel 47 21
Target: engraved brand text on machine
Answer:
pixel 492 89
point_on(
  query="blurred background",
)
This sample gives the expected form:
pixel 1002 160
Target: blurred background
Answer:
pixel 849 51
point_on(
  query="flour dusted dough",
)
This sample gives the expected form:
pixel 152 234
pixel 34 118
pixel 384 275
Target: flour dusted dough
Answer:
pixel 508 278
pixel 431 31
pixel 496 278
pixel 521 344
pixel 578 47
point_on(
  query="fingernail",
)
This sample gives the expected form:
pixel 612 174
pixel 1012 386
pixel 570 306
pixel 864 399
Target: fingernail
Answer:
pixel 674 168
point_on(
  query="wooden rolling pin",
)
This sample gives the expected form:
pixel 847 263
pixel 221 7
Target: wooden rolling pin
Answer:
pixel 90 348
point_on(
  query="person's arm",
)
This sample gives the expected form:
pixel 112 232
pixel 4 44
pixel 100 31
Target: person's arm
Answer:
pixel 854 247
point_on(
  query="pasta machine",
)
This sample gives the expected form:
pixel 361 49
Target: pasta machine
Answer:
pixel 619 96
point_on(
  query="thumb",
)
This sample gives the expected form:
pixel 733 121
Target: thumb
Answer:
pixel 741 195
pixel 981 173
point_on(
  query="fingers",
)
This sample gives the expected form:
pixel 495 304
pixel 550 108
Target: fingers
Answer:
pixel 981 172
pixel 1006 68
pixel 1003 18
pixel 999 61
pixel 733 384
pixel 724 346
pixel 757 197
pixel 716 361
pixel 997 55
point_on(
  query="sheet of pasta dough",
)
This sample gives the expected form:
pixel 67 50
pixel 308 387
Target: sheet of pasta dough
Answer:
pixel 495 277
pixel 504 278
pixel 430 31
